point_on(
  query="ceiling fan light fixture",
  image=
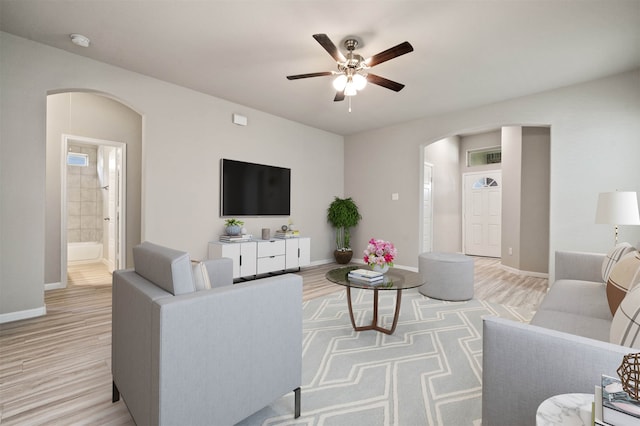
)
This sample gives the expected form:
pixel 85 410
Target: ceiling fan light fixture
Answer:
pixel 350 89
pixel 340 83
pixel 359 81
pixel 352 75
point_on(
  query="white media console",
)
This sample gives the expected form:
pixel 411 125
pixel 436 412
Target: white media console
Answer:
pixel 256 257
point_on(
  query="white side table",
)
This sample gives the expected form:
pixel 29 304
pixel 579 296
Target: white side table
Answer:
pixel 572 409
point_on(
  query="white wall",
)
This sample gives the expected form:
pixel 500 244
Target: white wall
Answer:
pixel 185 133
pixel 534 225
pixel 511 195
pixel 447 194
pixel 594 148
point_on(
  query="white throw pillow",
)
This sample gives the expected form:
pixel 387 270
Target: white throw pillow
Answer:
pixel 612 258
pixel 625 327
pixel 200 276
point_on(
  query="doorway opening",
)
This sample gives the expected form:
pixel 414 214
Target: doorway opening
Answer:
pixel 93 206
pixel 490 195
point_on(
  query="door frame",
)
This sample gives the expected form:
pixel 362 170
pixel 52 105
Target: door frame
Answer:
pixel 421 229
pixel 464 206
pixel 120 229
pixel 423 162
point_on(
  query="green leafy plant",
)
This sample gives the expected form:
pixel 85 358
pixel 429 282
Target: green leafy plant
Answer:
pixel 233 222
pixel 343 214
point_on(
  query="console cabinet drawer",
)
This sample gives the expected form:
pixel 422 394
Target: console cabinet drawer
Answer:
pixel 270 264
pixel 271 248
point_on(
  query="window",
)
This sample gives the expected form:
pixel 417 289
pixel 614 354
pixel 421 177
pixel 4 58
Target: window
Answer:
pixel 484 182
pixel 484 156
pixel 77 159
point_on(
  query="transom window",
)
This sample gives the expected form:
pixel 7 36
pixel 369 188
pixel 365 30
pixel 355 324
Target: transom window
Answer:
pixel 484 156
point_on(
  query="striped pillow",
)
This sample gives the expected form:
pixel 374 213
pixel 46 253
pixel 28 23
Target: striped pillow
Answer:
pixel 612 258
pixel 625 327
pixel 624 276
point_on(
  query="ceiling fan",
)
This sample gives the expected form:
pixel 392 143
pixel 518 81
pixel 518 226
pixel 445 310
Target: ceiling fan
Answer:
pixel 352 74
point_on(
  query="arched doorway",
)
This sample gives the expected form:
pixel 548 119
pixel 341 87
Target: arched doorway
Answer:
pixel 525 169
pixel 96 125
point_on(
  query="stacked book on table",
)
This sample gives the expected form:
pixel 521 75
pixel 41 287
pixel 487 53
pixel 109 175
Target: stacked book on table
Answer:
pixel 235 238
pixel 287 234
pixel 613 406
pixel 366 276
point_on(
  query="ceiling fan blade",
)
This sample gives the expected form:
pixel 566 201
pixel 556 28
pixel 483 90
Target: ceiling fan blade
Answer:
pixel 313 74
pixel 384 82
pixel 330 47
pixel 339 96
pixel 390 53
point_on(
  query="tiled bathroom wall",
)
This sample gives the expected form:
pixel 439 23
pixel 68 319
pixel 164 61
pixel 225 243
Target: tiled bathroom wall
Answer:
pixel 84 198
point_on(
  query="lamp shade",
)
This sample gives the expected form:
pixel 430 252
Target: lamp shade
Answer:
pixel 618 208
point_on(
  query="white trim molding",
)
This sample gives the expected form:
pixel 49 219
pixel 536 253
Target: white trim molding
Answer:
pixel 53 286
pixel 20 315
pixel 524 273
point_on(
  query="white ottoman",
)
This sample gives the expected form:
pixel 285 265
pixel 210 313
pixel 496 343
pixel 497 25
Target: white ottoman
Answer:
pixel 446 276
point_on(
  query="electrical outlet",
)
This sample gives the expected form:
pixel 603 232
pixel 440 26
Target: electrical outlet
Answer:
pixel 510 251
pixel 395 196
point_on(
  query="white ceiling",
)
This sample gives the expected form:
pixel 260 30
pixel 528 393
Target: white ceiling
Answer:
pixel 467 53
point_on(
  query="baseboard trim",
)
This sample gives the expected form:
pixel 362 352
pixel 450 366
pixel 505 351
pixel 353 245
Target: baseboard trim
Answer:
pixel 321 262
pixel 20 315
pixel 524 273
pixel 53 286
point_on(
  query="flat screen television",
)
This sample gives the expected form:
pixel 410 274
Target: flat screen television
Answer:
pixel 248 189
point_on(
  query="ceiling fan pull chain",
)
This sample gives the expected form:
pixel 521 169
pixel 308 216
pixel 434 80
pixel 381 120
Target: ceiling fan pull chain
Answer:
pixel 350 103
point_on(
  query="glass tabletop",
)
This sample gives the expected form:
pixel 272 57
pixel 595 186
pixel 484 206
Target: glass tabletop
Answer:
pixel 394 279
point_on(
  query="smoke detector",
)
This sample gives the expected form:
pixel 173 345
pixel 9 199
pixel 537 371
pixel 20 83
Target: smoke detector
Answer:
pixel 80 40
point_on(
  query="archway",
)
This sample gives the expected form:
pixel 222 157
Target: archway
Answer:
pixel 525 235
pixel 88 117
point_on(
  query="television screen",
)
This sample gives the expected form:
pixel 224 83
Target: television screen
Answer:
pixel 249 189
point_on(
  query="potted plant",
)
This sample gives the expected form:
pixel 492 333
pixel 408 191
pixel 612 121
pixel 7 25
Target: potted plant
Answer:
pixel 233 226
pixel 343 214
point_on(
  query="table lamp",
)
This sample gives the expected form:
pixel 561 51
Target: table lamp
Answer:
pixel 618 208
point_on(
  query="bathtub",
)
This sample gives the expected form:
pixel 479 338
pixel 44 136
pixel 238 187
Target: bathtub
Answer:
pixel 85 252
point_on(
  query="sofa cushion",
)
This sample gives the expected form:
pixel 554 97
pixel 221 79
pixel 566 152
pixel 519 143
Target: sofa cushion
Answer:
pixel 200 276
pixel 580 325
pixel 614 255
pixel 624 275
pixel 167 268
pixel 625 328
pixel 578 297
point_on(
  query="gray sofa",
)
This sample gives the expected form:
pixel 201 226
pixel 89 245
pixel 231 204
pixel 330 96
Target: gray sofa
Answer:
pixel 209 357
pixel 565 349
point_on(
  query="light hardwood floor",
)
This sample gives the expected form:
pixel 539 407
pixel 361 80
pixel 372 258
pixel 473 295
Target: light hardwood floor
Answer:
pixel 56 369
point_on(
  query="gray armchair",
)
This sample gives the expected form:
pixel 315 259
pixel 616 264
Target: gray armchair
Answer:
pixel 181 356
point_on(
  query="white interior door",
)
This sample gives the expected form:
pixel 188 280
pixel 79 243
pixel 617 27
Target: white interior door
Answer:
pixel 483 213
pixel 112 217
pixel 427 208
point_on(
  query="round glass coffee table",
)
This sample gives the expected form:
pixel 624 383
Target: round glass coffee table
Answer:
pixel 394 279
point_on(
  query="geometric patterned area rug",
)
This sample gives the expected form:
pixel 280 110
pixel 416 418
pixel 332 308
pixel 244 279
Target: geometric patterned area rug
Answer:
pixel 429 372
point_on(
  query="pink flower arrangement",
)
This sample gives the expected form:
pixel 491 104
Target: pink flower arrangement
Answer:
pixel 380 252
